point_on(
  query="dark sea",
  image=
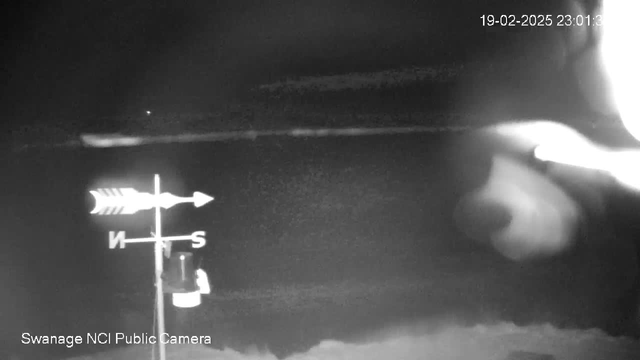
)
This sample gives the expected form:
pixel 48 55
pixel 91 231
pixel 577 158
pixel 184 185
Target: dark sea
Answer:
pixel 307 239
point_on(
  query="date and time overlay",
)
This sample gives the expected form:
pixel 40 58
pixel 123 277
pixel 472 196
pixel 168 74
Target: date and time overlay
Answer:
pixel 540 20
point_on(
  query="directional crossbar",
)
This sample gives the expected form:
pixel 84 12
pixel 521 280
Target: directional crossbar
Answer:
pixel 119 237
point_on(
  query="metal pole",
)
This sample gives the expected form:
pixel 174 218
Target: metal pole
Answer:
pixel 159 268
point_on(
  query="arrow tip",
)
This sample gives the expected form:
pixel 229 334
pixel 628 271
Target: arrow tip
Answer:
pixel 200 199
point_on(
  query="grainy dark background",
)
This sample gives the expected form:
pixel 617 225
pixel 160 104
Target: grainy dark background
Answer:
pixel 289 214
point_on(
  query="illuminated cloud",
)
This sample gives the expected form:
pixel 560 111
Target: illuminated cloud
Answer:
pixel 481 342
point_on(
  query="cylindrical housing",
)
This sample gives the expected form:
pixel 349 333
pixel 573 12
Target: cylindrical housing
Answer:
pixel 180 276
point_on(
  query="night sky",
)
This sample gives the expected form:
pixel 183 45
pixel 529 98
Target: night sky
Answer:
pixel 83 60
pixel 287 212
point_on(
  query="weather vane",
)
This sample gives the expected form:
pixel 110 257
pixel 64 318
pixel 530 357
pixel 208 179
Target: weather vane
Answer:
pixel 127 201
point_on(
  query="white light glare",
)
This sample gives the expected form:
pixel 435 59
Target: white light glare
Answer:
pixel 193 299
pixel 624 166
pixel 621 57
pixel 621 164
pixel 187 300
pixel 591 158
pixel 203 282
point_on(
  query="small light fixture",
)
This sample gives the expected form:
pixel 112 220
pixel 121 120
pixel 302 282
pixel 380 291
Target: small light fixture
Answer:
pixel 184 282
pixel 180 276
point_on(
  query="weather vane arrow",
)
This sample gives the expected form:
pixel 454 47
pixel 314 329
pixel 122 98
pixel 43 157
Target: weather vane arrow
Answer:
pixel 125 201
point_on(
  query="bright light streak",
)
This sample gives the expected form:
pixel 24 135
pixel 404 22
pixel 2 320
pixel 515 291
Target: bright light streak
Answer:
pixel 561 144
pixel 525 136
pixel 621 164
pixel 621 57
pixel 590 158
pixel 118 140
pixel 110 140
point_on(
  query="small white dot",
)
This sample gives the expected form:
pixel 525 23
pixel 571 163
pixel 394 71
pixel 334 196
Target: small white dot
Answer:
pixel 148 112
